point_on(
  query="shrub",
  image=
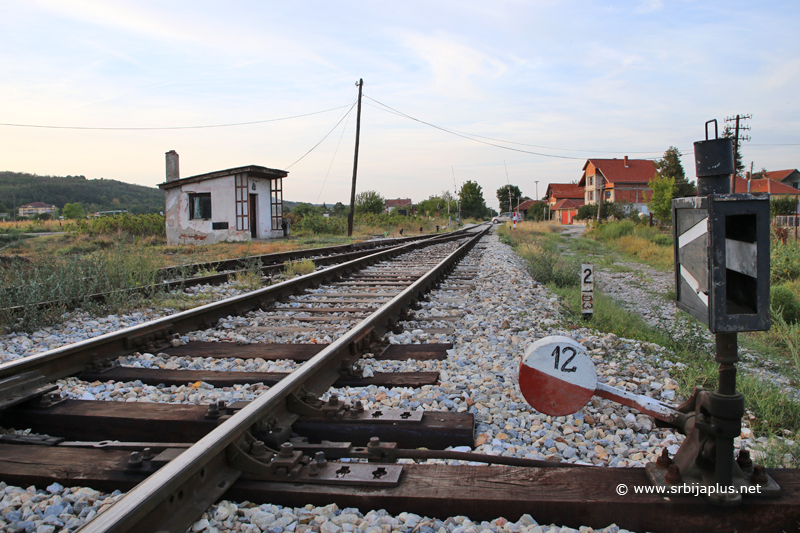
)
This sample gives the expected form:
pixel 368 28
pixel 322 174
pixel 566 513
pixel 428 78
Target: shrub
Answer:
pixel 549 267
pixel 784 301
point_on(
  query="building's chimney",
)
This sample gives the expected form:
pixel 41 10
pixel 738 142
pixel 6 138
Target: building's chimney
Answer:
pixel 173 172
pixel 625 162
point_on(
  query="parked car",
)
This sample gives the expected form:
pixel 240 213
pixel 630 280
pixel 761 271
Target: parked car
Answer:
pixel 503 217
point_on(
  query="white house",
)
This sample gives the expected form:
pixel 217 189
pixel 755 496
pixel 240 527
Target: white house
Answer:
pixel 237 204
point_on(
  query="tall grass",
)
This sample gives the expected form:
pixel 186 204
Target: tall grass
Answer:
pixel 70 278
pixel 644 243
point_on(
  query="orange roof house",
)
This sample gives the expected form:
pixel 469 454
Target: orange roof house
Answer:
pixel 560 191
pixel 767 185
pixel 565 210
pixel 617 180
pixel 789 177
pixel 400 203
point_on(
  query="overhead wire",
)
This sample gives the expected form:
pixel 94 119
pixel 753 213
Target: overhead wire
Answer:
pixel 471 138
pixel 476 138
pixel 171 127
pixel 344 128
pixel 325 137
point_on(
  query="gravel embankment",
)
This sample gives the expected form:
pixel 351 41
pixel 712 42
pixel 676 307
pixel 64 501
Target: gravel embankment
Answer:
pixel 504 312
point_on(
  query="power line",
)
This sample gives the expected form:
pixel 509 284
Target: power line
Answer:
pixel 472 137
pixel 334 156
pixel 320 141
pixel 451 132
pixel 170 127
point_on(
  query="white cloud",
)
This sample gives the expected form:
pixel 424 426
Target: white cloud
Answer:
pixel 455 67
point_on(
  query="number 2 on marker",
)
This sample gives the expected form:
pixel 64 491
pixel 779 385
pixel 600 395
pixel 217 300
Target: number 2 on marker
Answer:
pixel 587 278
pixel 557 354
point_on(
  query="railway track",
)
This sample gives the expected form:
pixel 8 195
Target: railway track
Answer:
pixel 192 275
pixel 262 444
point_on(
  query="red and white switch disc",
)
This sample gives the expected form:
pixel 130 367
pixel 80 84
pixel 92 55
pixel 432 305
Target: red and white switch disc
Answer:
pixel 556 376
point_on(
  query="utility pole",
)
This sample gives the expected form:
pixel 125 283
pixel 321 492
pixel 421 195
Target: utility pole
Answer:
pixel 355 163
pixel 736 144
pixel 508 187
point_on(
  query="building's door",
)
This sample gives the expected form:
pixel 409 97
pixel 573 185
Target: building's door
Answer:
pixel 253 216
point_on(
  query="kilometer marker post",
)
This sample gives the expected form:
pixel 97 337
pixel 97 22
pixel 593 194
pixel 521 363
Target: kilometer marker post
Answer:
pixel 587 291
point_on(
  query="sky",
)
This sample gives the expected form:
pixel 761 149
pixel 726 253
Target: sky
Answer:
pixel 527 90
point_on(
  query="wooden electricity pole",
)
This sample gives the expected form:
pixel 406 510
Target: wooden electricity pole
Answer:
pixel 355 163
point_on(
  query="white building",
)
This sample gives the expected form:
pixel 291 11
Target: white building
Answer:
pixel 237 204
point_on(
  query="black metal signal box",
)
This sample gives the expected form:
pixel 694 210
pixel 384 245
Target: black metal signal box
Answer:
pixel 722 260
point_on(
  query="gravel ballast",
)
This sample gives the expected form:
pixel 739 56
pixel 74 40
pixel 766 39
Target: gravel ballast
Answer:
pixel 500 315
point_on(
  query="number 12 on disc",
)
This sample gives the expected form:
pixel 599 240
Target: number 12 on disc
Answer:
pixel 556 376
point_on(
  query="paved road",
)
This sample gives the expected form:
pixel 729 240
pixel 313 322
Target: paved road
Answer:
pixel 573 230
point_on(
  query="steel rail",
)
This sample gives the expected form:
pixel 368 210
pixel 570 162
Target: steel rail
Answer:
pixel 200 475
pixel 23 378
pixel 280 257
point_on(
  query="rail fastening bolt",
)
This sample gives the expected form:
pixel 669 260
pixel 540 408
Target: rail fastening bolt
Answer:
pixel 664 459
pixel 287 450
pixel 319 460
pixel 374 442
pixel 759 476
pixel 258 448
pixel 673 476
pixel 135 460
pixel 743 459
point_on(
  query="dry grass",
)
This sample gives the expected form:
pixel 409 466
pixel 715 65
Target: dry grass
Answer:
pixel 298 268
pixel 645 250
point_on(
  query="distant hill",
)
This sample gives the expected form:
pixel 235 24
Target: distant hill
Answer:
pixel 19 188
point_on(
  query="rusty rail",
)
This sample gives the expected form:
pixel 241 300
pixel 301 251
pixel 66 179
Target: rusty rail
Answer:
pixel 201 474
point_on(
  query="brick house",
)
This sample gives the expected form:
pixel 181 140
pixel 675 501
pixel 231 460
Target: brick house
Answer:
pixel 789 177
pixel 401 204
pixel 564 200
pixel 770 186
pixel 618 181
pixel 565 210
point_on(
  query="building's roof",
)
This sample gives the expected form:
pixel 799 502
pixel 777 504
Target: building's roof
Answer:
pixel 615 171
pixel 567 203
pixel 34 205
pixel 765 185
pixel 524 206
pixel 253 171
pixel 564 190
pixel 399 202
pixel 780 175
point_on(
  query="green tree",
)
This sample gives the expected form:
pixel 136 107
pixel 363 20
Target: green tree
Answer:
pixel 783 205
pixel 761 174
pixel 537 211
pixel 339 210
pixel 433 206
pixel 670 166
pixel 502 197
pixel 472 201
pixel 738 166
pixel 73 211
pixel 660 203
pixel 369 202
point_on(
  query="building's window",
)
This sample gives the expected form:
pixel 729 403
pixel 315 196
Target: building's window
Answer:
pixel 591 195
pixel 200 206
pixel 608 194
pixel 591 180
